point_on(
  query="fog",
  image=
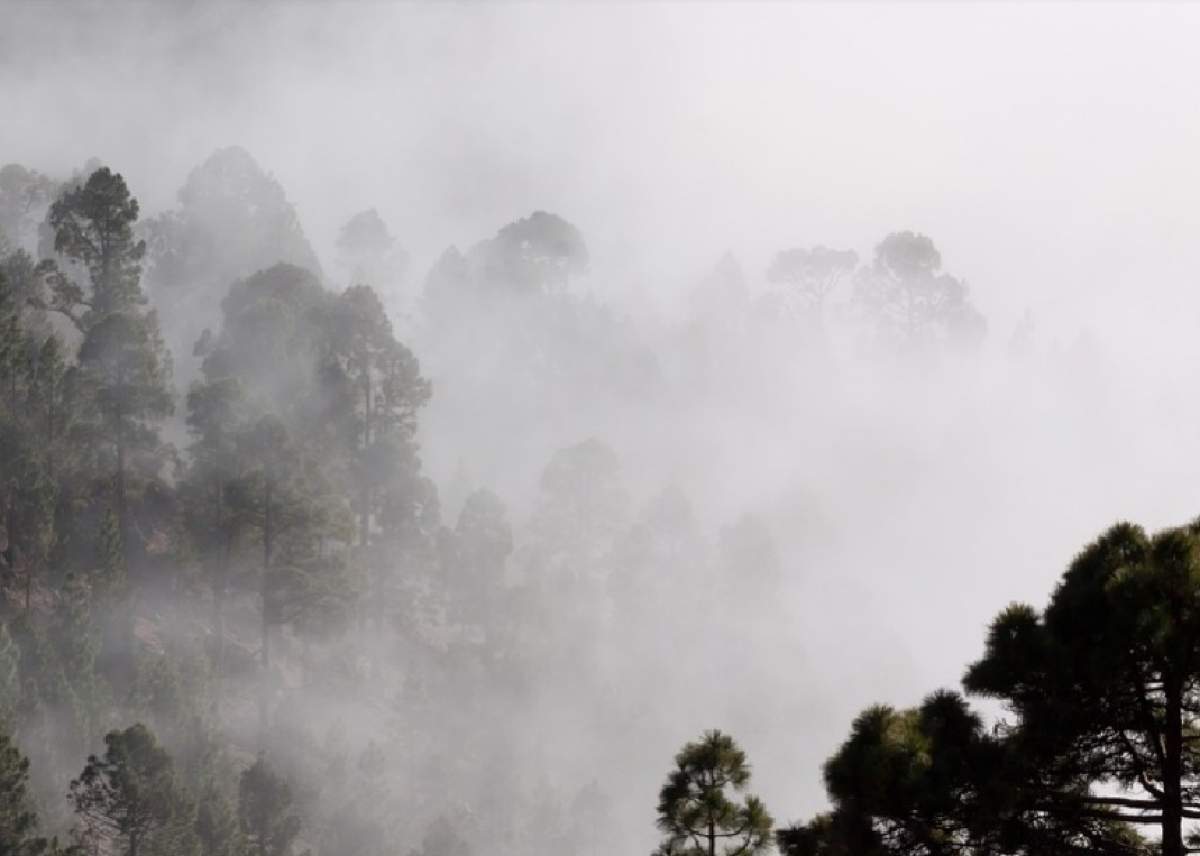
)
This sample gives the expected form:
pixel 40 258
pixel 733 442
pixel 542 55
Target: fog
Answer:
pixel 1048 150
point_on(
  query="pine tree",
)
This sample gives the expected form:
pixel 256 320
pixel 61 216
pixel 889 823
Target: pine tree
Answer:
pixel 125 369
pixel 18 819
pixel 265 812
pixel 695 809
pixel 128 802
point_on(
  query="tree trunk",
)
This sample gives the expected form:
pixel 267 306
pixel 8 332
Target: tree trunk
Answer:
pixel 220 583
pixel 1172 802
pixel 119 485
pixel 265 658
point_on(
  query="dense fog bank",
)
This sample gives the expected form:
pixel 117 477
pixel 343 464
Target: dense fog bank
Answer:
pixel 423 436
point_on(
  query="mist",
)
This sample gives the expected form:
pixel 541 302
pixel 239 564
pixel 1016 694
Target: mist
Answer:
pixel 724 508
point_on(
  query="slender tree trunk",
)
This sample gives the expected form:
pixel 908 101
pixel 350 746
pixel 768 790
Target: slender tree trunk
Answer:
pixel 265 661
pixel 365 487
pixel 119 483
pixel 1172 803
pixel 220 583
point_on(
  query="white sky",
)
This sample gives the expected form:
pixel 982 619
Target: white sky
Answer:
pixel 1050 150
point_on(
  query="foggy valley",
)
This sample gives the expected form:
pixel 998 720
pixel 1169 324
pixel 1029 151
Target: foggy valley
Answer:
pixel 690 429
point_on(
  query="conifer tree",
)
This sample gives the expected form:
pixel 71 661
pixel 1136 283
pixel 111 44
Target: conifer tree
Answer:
pixel 123 362
pixel 127 801
pixel 268 820
pixel 18 819
pixel 697 810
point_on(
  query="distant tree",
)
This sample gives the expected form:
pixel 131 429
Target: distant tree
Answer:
pixel 352 831
pixel 368 252
pixel 811 275
pixel 25 292
pixel 441 839
pixel 32 378
pixel 10 679
pixel 18 819
pixel 268 820
pixel 483 542
pixel 909 303
pixel 25 195
pixel 537 254
pixel 124 366
pixel 447 285
pixel 697 808
pixel 584 502
pixel 215 492
pixel 128 801
pixel 383 391
pixel 217 829
pixel 721 296
pixel 665 535
pixel 749 559
pixel 233 219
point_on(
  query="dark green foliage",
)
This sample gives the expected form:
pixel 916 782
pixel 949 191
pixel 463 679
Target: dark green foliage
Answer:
pixel 127 801
pixel 265 813
pixel 18 820
pixel 835 833
pixel 217 830
pixel 695 808
pixel 933 782
pixel 1105 683
pixel 123 364
pixel 93 228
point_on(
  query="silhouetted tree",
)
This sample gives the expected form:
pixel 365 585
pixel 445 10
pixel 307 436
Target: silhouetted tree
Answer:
pixel 932 781
pixel 25 195
pixel 368 252
pixel 536 254
pixel 811 275
pixel 1105 683
pixel 909 303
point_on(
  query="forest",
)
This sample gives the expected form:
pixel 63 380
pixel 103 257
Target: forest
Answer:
pixel 666 429
pixel 202 589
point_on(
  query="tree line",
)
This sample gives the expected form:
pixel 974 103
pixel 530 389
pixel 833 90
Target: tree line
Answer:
pixel 278 507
